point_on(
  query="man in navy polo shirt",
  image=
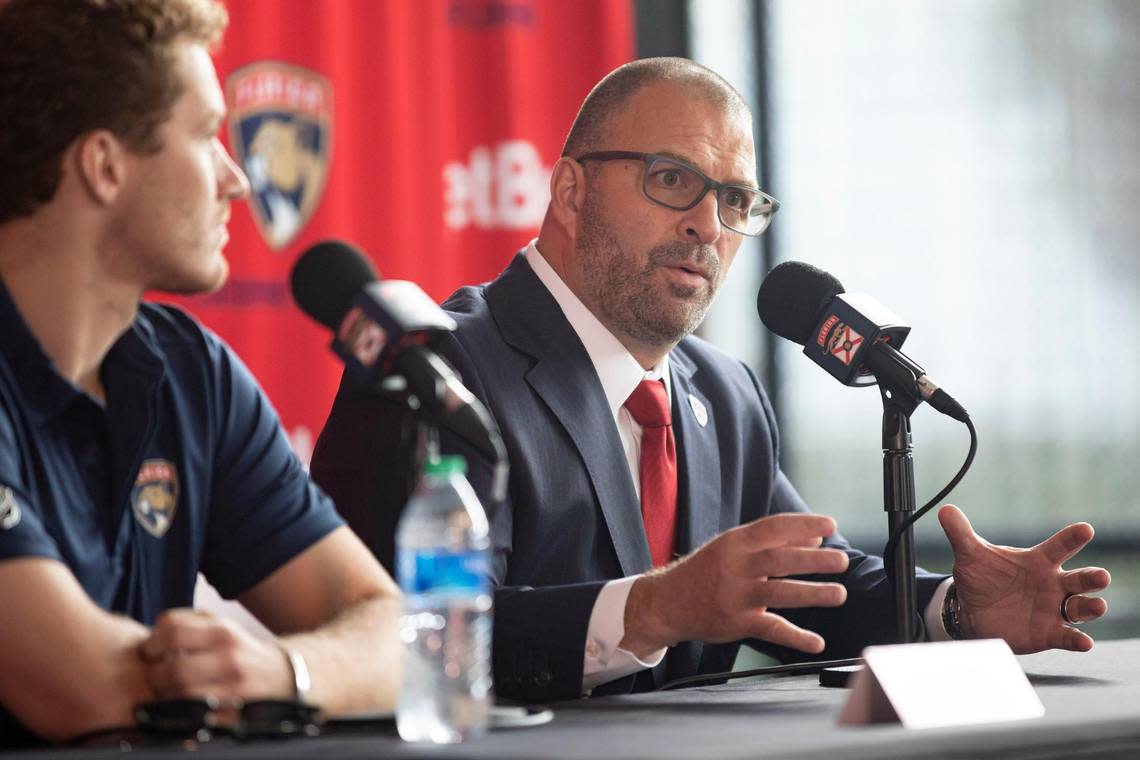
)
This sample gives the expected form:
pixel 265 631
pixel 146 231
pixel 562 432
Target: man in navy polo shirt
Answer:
pixel 135 448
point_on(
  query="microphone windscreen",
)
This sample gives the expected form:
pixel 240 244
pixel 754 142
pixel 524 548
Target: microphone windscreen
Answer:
pixel 327 278
pixel 792 298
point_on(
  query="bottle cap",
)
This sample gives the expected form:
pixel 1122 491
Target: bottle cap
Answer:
pixel 449 464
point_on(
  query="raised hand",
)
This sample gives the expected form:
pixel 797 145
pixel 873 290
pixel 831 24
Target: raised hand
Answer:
pixel 723 590
pixel 1016 594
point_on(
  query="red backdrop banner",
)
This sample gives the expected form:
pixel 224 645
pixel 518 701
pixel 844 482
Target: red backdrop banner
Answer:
pixel 421 130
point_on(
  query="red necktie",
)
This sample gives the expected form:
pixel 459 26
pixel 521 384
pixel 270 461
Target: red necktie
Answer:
pixel 649 405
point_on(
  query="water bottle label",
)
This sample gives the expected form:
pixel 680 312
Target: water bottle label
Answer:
pixel 430 571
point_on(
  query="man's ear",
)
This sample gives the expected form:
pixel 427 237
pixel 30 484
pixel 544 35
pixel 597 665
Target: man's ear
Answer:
pixel 567 193
pixel 100 161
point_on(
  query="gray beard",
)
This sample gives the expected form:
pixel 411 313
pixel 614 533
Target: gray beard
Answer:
pixel 621 296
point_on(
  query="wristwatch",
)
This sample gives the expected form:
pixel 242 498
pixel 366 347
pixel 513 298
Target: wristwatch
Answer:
pixel 952 613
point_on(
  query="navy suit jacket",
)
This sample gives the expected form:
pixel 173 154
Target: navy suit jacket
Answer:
pixel 572 520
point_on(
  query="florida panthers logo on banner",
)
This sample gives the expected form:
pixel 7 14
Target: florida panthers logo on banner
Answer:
pixel 154 498
pixel 281 131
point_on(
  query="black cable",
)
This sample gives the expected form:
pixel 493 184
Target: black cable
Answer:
pixel 792 668
pixel 893 541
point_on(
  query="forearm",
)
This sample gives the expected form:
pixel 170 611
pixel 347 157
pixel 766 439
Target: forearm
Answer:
pixel 337 608
pixel 68 667
pixel 354 659
pixel 98 687
pixel 106 691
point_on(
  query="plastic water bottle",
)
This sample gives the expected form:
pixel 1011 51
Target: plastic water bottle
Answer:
pixel 443 566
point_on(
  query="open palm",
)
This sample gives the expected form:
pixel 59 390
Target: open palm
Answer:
pixel 1016 594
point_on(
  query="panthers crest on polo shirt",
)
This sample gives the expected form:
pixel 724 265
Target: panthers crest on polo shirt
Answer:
pixel 154 498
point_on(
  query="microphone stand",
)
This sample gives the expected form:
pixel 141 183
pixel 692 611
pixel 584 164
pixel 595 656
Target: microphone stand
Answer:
pixel 898 380
pixel 898 387
pixel 899 503
pixel 900 399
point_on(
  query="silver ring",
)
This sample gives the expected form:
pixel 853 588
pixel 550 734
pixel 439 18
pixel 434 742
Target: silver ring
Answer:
pixel 1065 611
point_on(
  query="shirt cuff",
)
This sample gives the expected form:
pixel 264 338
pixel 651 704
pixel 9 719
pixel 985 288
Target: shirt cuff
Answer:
pixel 605 661
pixel 935 631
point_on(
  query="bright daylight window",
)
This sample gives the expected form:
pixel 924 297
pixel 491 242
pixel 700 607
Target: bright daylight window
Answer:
pixel 975 166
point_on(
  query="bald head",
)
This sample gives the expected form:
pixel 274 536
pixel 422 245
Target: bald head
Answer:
pixel 648 270
pixel 590 130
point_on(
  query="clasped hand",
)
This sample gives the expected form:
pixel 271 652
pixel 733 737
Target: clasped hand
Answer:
pixel 193 653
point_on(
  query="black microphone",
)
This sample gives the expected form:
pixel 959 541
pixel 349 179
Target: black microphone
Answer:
pixel 385 328
pixel 851 335
pixel 374 322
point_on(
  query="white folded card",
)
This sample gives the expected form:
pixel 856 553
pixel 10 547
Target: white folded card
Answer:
pixel 946 683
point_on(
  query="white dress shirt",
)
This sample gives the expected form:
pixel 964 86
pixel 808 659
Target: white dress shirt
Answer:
pixel 619 374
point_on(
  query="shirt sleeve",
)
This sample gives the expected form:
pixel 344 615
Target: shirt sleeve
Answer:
pixel 605 661
pixel 22 533
pixel 264 508
pixel 935 631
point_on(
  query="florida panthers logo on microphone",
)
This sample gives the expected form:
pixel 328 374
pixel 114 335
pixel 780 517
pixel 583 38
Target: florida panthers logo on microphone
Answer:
pixel 281 131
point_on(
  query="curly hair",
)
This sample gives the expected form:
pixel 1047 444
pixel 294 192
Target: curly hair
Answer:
pixel 68 67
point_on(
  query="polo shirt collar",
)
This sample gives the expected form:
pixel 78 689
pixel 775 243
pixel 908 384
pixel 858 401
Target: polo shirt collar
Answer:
pixel 45 391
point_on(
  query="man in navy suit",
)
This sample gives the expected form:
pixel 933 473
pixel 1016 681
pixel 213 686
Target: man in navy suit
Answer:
pixel 635 548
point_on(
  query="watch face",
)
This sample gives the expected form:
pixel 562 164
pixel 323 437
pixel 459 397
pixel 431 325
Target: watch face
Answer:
pixel 951 613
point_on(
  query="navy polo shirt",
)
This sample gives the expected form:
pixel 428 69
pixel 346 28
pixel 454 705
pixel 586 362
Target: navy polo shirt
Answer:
pixel 185 468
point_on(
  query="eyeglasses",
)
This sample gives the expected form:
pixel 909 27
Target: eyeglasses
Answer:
pixel 679 186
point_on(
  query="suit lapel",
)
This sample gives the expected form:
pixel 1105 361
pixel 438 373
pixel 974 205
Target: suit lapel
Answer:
pixel 699 455
pixel 564 378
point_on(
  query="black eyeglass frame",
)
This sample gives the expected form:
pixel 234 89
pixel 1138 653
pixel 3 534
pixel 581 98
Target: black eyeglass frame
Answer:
pixel 710 184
